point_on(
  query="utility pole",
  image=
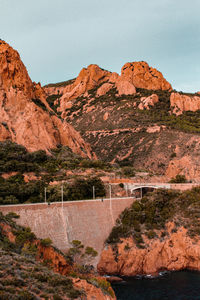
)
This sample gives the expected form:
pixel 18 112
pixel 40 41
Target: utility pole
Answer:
pixel 62 193
pixel 110 190
pixel 93 189
pixel 45 195
pixel 126 188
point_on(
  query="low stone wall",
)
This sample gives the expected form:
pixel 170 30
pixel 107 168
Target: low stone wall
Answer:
pixel 183 186
pixel 89 221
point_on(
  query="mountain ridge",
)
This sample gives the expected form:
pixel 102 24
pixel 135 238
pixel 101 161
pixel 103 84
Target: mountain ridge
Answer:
pixel 25 116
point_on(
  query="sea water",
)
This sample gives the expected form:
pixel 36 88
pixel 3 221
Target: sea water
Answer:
pixel 182 285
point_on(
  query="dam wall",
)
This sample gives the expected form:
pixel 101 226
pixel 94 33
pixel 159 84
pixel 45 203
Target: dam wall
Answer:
pixel 89 221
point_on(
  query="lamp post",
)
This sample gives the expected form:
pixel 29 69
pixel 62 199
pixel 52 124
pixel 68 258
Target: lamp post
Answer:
pixel 62 193
pixel 93 190
pixel 45 195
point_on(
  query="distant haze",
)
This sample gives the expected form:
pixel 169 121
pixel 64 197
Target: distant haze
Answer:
pixel 56 39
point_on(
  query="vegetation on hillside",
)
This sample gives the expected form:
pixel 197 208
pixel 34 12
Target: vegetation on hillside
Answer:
pixel 61 84
pixel 119 131
pixel 153 211
pixel 21 276
pixel 160 113
pixel 15 158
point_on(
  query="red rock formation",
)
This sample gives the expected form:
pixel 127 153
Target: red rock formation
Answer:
pixel 56 259
pixel 7 231
pixel 181 103
pixel 124 87
pixel 21 119
pixel 174 252
pixel 136 74
pixel 143 76
pixel 87 79
pixel 147 102
pixel 186 165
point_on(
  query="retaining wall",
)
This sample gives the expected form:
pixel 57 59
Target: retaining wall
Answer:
pixel 89 221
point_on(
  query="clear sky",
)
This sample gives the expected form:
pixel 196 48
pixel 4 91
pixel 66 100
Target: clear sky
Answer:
pixel 57 38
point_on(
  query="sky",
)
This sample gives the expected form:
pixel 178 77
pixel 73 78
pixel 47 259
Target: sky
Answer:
pixel 56 39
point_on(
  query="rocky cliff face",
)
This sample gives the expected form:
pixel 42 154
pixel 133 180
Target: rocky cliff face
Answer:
pixel 159 232
pixel 133 118
pixel 177 251
pixel 181 103
pixel 25 116
pixel 136 74
pixel 141 75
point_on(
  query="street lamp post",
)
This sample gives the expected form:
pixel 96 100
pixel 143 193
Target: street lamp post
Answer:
pixel 93 189
pixel 45 194
pixel 62 193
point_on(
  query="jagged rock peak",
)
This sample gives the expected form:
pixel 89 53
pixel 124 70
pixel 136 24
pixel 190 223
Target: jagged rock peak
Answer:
pixel 92 76
pixel 141 75
pixel 13 73
pixel 25 116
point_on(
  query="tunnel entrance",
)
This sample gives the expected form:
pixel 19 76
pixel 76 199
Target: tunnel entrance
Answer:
pixel 141 191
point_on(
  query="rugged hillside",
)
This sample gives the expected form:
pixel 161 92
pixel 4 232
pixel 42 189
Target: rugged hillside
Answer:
pixel 160 232
pixel 33 269
pixel 25 116
pixel 134 118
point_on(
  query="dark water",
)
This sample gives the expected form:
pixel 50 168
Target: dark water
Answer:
pixel 184 285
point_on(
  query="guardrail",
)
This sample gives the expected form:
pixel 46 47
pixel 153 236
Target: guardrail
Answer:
pixel 74 201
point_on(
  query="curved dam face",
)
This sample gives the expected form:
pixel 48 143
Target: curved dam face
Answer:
pixel 89 221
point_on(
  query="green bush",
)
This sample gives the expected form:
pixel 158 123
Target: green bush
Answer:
pixel 178 179
pixel 24 235
pixel 151 234
pixel 46 242
pixel 128 171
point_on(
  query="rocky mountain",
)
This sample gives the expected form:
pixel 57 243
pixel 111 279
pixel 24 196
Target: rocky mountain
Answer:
pixel 25 116
pixel 158 233
pixel 134 119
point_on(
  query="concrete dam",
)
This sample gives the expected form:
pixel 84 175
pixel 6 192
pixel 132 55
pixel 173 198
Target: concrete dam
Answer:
pixel 89 221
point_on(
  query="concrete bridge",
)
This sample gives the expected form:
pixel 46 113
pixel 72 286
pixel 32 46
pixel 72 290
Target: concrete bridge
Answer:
pixel 137 189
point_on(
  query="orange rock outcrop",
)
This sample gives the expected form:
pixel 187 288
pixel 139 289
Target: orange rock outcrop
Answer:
pixel 133 75
pixel 7 231
pixel 87 79
pixel 56 259
pixel 174 252
pixel 25 116
pixel 186 165
pixel 141 75
pixel 147 102
pixel 181 103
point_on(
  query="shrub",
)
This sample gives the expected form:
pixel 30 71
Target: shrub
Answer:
pixel 178 179
pixel 151 234
pixel 128 171
pixel 173 155
pixel 103 284
pixel 46 242
pixel 12 215
pixel 23 235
